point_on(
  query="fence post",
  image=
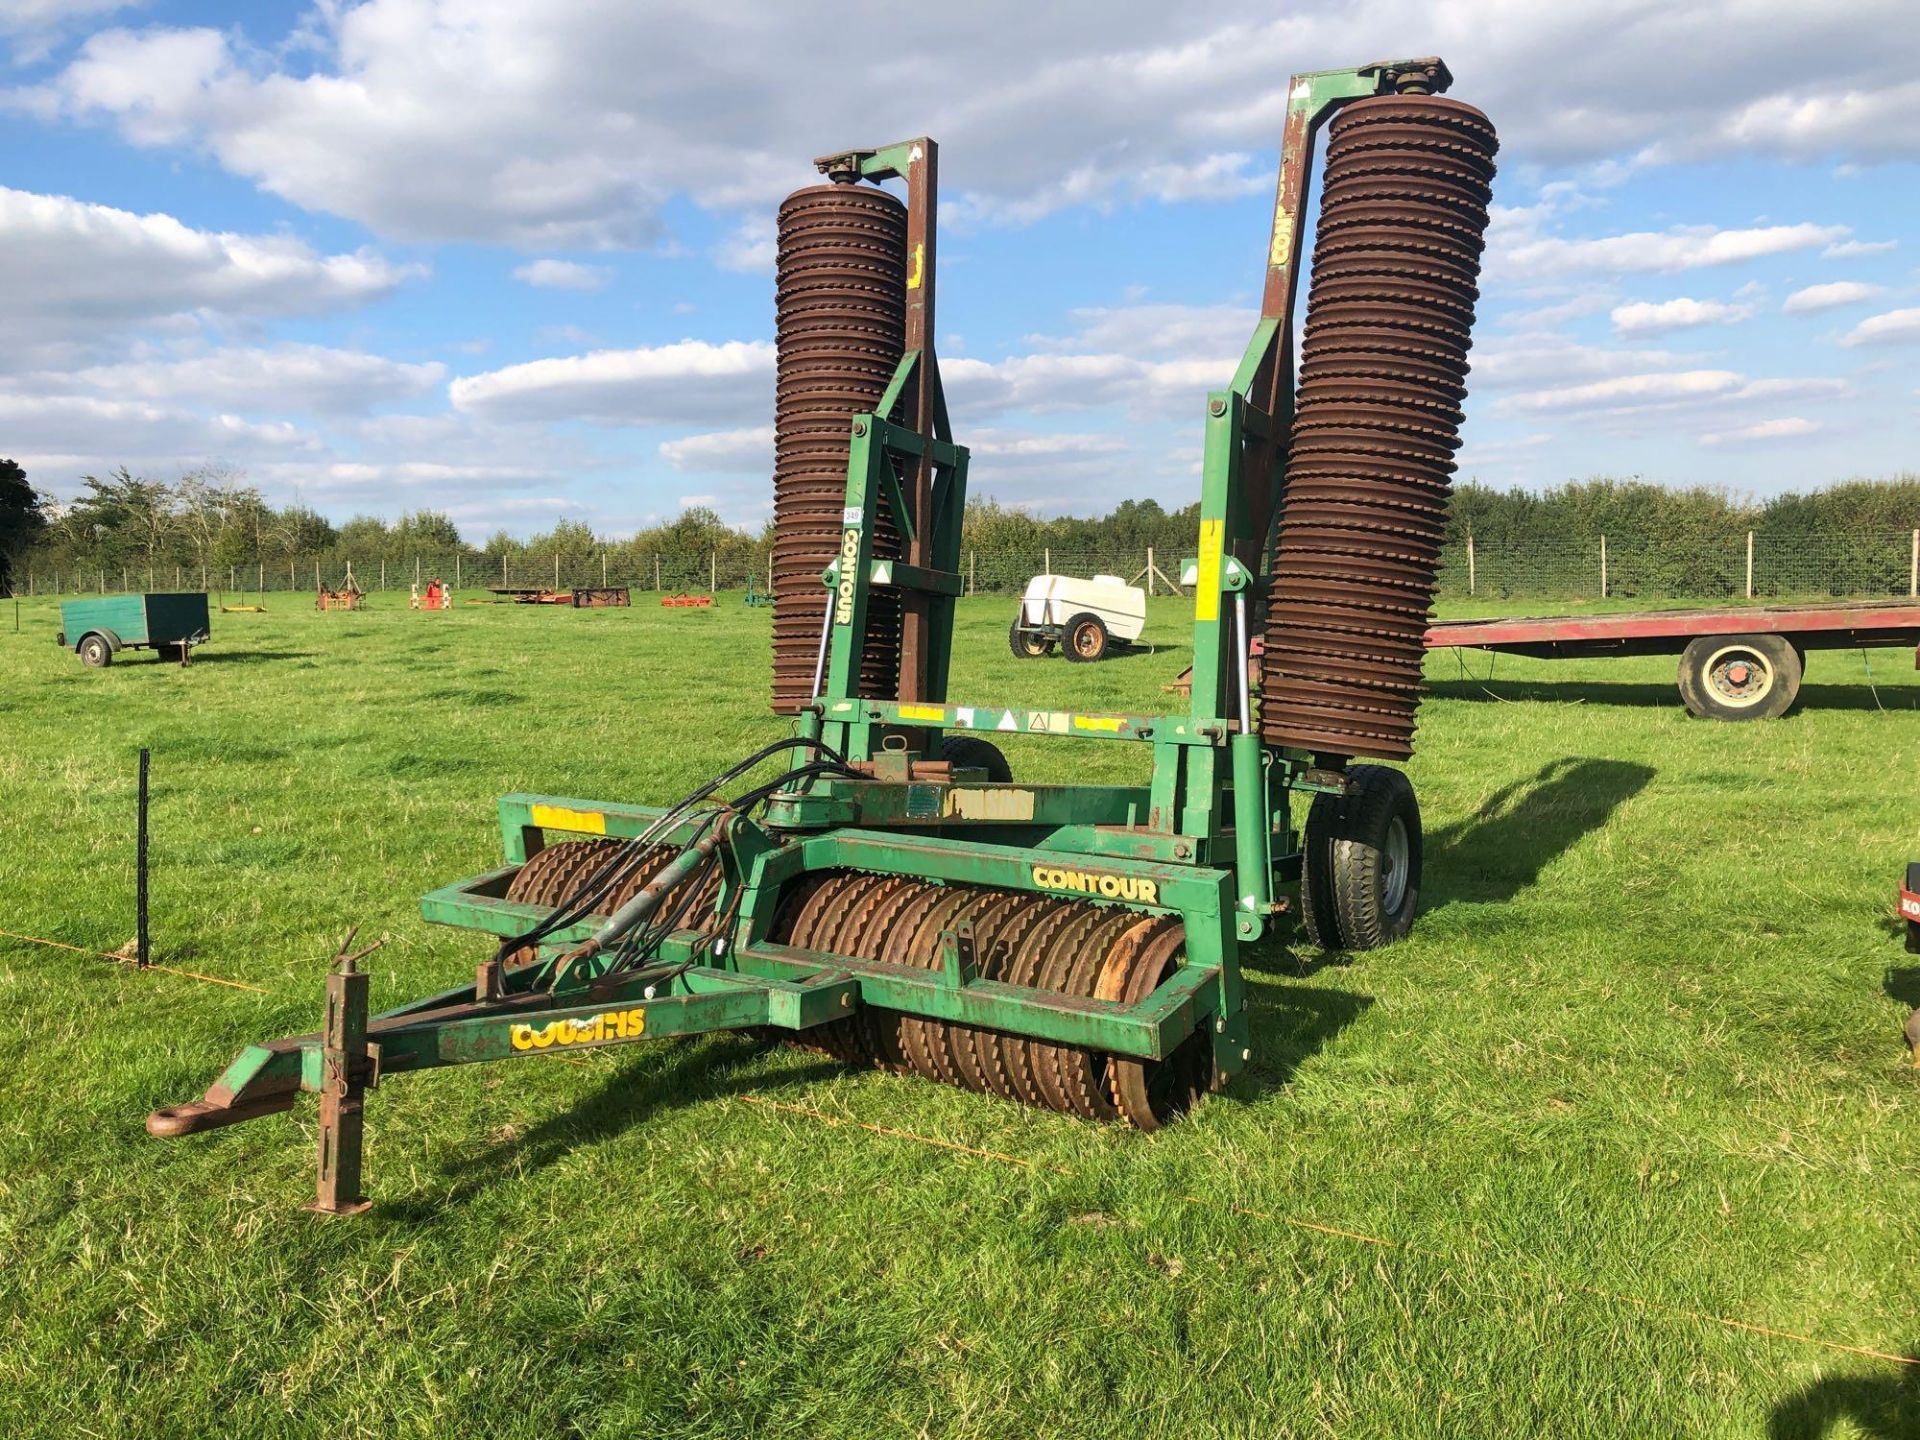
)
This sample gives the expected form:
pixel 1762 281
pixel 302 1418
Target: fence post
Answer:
pixel 603 569
pixel 124 586
pixel 656 572
pixel 1149 569
pixel 1471 577
pixel 1603 567
pixel 1049 557
pixel 1913 569
pixel 263 582
pixel 176 577
pixel 383 572
pixel 556 569
pixel 769 570
pixel 713 571
pixel 1749 564
pixel 316 576
pixel 456 569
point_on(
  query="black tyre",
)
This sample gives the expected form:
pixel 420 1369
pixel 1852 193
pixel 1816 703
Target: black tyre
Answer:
pixel 95 651
pixel 1739 677
pixel 1027 644
pixel 1913 926
pixel 972 753
pixel 1360 875
pixel 1086 638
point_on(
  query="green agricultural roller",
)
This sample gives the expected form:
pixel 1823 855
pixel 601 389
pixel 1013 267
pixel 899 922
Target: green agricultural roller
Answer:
pixel 891 895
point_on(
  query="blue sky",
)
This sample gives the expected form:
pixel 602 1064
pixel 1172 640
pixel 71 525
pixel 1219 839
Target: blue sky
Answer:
pixel 512 261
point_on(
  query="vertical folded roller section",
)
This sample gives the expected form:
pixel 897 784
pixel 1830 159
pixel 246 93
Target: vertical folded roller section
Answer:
pixel 1377 415
pixel 840 328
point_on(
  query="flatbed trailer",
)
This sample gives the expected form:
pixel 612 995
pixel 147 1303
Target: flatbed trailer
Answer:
pixel 1739 663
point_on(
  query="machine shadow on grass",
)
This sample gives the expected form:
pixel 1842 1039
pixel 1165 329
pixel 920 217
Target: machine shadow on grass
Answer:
pixel 1501 848
pixel 1654 694
pixel 248 657
pixel 1903 981
pixel 678 1073
pixel 1882 1407
pixel 1290 1025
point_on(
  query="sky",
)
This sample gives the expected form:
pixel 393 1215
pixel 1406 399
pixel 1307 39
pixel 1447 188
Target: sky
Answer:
pixel 513 261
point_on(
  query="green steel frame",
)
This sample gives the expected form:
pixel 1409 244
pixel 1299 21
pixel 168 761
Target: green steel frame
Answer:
pixel 1211 836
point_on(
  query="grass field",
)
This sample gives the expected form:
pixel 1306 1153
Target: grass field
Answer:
pixel 1638 1067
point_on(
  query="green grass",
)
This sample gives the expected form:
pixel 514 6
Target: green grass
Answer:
pixel 1644 1043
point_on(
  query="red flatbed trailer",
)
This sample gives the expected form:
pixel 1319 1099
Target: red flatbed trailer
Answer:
pixel 1739 663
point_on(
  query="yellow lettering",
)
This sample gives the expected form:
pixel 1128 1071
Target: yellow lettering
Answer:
pixel 1106 886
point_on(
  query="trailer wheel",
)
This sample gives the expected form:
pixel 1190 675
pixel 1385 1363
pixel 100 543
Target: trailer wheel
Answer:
pixel 1027 644
pixel 95 651
pixel 972 753
pixel 1360 875
pixel 1087 638
pixel 1739 677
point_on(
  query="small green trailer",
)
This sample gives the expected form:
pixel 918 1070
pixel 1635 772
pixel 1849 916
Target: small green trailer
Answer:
pixel 98 628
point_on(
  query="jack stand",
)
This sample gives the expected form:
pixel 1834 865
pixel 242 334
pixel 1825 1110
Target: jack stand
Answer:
pixel 348 1066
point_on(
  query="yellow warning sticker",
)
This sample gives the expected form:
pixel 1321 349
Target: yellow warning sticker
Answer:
pixel 558 817
pixel 1101 724
pixel 918 273
pixel 923 712
pixel 1206 597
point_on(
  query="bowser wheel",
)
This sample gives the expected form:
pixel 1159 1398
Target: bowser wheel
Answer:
pixel 1739 677
pixel 1027 644
pixel 95 651
pixel 972 753
pixel 1360 874
pixel 1087 638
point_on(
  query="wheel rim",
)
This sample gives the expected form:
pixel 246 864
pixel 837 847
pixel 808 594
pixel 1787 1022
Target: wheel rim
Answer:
pixel 1086 641
pixel 1393 866
pixel 1738 675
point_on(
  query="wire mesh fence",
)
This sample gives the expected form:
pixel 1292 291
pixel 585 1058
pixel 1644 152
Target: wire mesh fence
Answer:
pixel 1751 566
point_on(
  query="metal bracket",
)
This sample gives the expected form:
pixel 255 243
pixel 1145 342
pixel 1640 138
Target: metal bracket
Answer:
pixel 959 966
pixel 348 1067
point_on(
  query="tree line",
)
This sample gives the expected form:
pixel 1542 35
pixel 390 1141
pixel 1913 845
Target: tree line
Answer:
pixel 213 522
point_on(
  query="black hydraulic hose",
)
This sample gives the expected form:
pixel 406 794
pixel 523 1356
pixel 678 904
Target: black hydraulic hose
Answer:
pixel 618 866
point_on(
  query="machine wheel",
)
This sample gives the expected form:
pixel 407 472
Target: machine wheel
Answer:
pixel 95 651
pixel 1739 677
pixel 1360 877
pixel 973 753
pixel 1087 638
pixel 1027 644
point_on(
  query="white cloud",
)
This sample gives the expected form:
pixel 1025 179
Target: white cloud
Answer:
pixel 1847 249
pixel 563 275
pixel 1895 327
pixel 1636 394
pixel 687 383
pixel 34 27
pixel 1826 297
pixel 280 379
pixel 724 451
pixel 75 272
pixel 1654 318
pixel 1663 388
pixel 521 124
pixel 1786 428
pixel 1515 251
pixel 39 426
